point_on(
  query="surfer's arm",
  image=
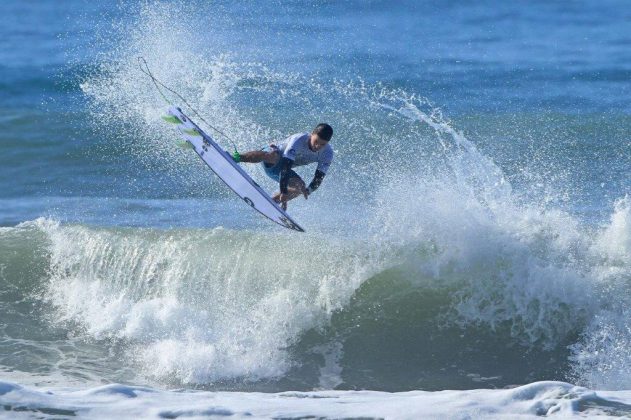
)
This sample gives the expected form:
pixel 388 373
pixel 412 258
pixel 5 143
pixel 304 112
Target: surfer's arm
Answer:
pixel 285 166
pixel 317 180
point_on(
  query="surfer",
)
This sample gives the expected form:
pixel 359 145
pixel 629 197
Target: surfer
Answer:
pixel 297 150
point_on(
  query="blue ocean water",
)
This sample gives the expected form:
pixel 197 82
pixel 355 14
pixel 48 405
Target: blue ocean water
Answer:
pixel 518 95
pixel 474 230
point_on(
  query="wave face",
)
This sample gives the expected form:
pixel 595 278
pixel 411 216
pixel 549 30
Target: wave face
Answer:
pixel 466 302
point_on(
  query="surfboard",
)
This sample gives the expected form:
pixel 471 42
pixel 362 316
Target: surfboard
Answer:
pixel 233 175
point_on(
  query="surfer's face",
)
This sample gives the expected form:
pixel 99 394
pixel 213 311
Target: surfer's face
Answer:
pixel 316 143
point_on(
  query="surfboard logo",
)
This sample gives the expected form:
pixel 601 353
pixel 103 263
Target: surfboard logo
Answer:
pixel 289 224
pixel 250 202
pixel 205 144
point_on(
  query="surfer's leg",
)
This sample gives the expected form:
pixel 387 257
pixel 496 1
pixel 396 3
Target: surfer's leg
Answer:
pixel 294 188
pixel 256 156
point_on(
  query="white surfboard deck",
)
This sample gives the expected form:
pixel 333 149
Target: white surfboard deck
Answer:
pixel 229 171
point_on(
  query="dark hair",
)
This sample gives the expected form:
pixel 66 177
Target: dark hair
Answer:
pixel 324 131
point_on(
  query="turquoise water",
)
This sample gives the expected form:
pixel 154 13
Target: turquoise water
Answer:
pixel 474 230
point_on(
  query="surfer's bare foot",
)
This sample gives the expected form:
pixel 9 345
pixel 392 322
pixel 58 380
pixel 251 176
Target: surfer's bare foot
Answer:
pixel 281 199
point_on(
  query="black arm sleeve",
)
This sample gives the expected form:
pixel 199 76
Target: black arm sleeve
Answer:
pixel 317 180
pixel 285 166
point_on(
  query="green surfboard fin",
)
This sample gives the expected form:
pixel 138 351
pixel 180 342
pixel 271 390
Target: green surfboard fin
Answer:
pixel 172 119
pixel 184 145
pixel 192 132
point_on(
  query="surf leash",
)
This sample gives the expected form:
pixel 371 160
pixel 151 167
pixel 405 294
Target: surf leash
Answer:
pixel 157 83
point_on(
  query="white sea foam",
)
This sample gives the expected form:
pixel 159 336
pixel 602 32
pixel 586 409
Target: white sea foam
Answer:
pixel 120 401
pixel 198 306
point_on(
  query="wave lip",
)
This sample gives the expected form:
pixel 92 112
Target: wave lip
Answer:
pixel 115 400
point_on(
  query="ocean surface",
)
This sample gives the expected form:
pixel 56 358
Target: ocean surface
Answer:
pixel 467 255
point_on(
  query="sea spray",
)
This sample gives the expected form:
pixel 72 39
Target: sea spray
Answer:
pixel 602 357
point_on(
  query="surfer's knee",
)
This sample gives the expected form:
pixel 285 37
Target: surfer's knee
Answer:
pixel 271 157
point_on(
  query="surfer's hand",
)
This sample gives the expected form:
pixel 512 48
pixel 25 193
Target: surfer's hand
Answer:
pixel 305 192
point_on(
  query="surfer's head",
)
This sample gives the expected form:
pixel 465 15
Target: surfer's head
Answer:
pixel 320 136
